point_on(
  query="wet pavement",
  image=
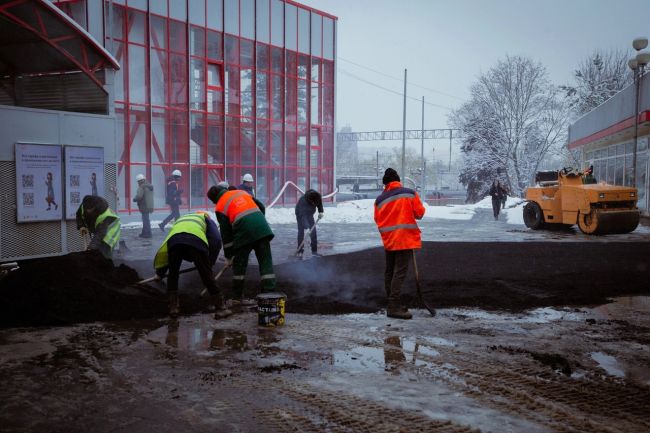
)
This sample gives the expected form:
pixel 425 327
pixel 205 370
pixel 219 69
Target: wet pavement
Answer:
pixel 344 238
pixel 582 369
pixel 568 370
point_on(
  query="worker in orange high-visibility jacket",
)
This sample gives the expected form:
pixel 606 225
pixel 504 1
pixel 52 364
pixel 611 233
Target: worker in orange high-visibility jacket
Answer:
pixel 244 229
pixel 396 212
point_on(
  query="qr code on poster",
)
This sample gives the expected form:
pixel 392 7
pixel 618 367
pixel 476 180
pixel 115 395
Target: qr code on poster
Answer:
pixel 28 181
pixel 75 197
pixel 28 199
pixel 74 180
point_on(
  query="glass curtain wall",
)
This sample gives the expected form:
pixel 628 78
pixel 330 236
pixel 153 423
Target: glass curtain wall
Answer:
pixel 220 88
pixel 613 165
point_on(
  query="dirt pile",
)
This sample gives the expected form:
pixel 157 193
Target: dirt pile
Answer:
pixel 78 287
pixel 512 276
pixel 516 276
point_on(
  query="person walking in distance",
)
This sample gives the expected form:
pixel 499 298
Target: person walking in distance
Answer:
pixel 396 211
pixel 173 198
pixel 144 199
pixel 496 192
pixel 194 238
pixel 305 208
pixel 244 229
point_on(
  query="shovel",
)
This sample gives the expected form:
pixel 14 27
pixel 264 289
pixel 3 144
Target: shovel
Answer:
pixel 297 254
pixel 148 280
pixel 417 286
pixel 216 277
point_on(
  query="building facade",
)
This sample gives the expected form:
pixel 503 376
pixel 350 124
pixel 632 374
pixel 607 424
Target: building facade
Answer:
pixel 604 138
pixel 217 89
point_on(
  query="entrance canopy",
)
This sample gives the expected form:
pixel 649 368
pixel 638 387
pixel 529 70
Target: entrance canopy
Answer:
pixel 38 38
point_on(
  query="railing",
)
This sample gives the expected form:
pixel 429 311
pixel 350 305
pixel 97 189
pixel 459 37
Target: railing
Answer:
pixel 289 183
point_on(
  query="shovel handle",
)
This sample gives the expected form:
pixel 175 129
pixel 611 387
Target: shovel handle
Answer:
pixel 148 280
pixel 216 277
pixel 432 311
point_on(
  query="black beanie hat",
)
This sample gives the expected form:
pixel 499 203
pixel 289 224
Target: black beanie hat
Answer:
pixel 214 192
pixel 390 175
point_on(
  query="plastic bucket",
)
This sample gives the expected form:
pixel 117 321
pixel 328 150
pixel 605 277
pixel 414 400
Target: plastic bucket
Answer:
pixel 270 309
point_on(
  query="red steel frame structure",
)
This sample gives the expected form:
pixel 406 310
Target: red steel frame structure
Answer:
pixel 219 88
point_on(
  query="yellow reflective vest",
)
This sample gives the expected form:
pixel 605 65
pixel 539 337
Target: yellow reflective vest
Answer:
pixel 112 236
pixel 193 223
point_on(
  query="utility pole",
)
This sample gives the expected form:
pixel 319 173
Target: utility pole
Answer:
pixel 424 166
pixel 403 172
pixel 450 132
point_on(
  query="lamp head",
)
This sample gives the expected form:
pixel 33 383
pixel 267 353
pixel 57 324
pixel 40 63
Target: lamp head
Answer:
pixel 640 43
pixel 643 57
pixel 633 64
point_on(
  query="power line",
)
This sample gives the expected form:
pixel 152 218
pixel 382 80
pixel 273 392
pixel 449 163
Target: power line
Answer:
pixel 400 79
pixel 356 77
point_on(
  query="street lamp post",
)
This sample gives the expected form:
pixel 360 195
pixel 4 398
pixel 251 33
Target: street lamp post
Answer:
pixel 637 64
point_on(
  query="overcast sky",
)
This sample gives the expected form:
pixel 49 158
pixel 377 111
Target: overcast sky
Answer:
pixel 445 44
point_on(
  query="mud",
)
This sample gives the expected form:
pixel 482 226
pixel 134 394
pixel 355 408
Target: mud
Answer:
pixel 74 288
pixel 517 276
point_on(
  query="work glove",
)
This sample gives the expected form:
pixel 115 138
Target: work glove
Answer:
pixel 83 231
pixel 320 215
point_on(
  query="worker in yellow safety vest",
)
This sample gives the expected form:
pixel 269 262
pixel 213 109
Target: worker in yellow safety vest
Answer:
pixel 194 238
pixel 95 217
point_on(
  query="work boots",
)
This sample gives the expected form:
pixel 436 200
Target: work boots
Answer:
pixel 173 304
pixel 397 311
pixel 220 310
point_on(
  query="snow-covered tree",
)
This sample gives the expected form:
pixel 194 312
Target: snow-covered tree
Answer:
pixel 513 120
pixel 597 78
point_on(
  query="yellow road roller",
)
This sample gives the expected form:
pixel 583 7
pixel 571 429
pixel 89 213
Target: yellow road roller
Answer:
pixel 560 198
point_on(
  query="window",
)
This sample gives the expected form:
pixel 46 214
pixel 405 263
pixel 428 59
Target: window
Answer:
pixel 262 21
pixel 231 12
pixel 214 14
pixel 303 31
pixel 328 38
pixel 196 9
pixel 316 35
pixel 277 23
pixel 247 18
pixel 290 30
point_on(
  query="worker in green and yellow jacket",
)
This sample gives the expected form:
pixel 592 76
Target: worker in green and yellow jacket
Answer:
pixel 194 238
pixel 244 229
pixel 95 217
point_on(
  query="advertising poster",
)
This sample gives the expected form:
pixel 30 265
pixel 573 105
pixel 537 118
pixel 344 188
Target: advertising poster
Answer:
pixel 38 183
pixel 84 175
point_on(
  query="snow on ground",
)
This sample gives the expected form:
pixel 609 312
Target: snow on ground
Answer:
pixel 362 211
pixel 514 210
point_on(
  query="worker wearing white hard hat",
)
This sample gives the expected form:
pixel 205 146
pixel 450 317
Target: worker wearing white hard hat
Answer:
pixel 247 184
pixel 173 198
pixel 144 199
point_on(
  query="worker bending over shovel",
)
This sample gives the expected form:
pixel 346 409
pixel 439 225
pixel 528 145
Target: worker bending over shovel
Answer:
pixel 244 229
pixel 396 212
pixel 94 217
pixel 195 238
pixel 305 208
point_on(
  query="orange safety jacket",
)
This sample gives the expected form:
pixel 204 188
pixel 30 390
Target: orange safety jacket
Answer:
pixel 236 204
pixel 396 210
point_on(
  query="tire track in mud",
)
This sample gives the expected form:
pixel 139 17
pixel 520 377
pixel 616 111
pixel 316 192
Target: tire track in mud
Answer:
pixel 594 403
pixel 310 409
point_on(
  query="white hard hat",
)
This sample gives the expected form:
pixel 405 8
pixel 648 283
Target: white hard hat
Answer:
pixel 247 178
pixel 140 177
pixel 223 184
pixel 176 173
